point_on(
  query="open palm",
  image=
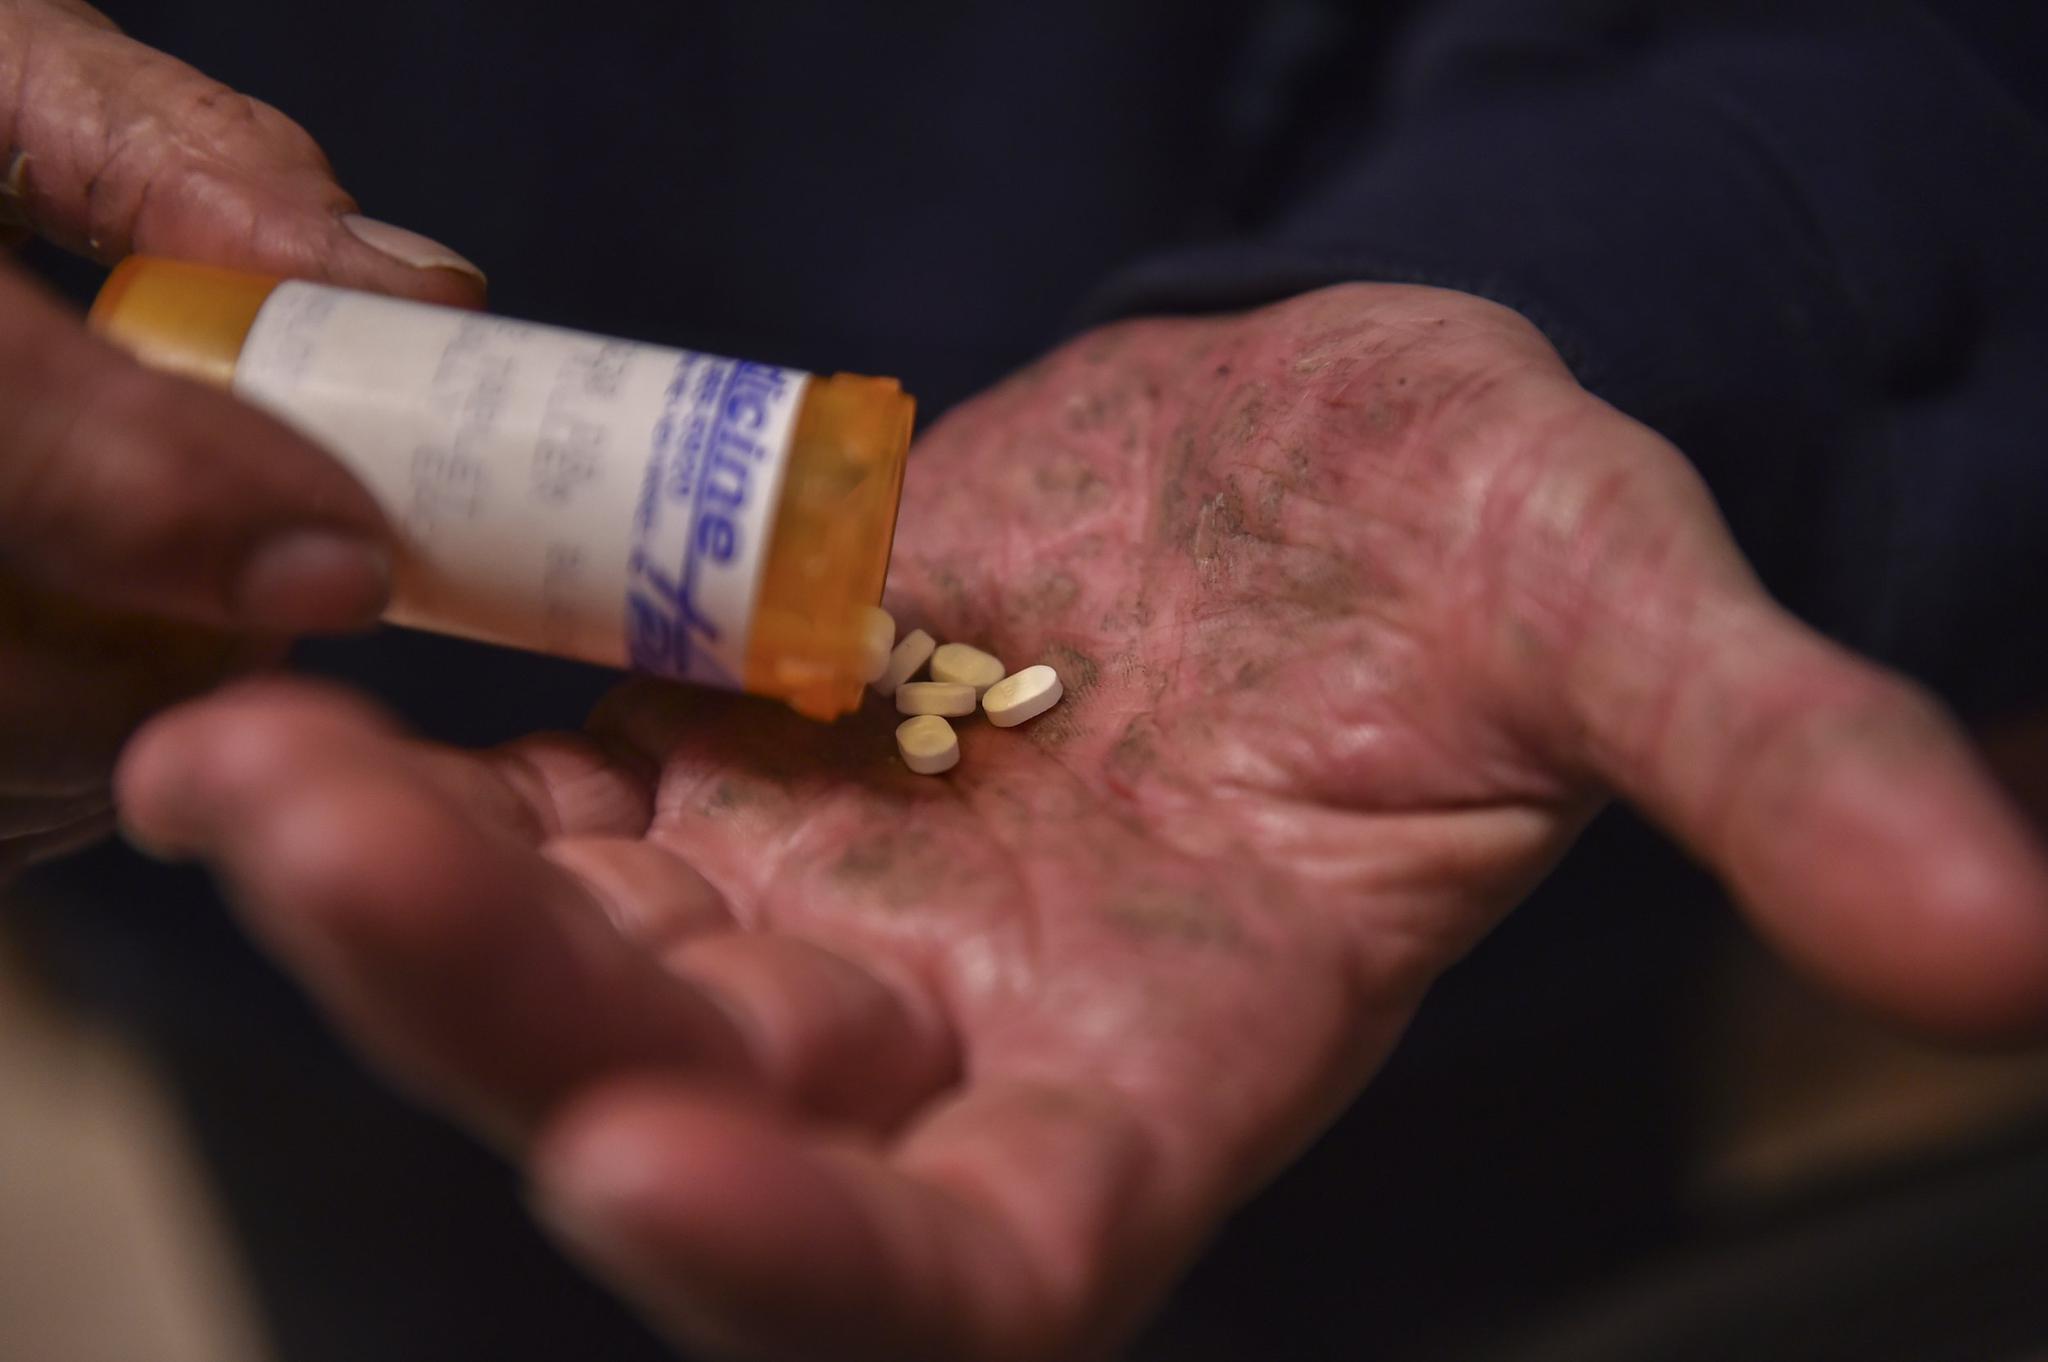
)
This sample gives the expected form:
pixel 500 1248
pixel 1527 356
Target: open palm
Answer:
pixel 1363 606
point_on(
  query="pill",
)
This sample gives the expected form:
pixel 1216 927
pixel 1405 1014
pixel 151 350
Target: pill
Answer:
pixel 877 643
pixel 912 651
pixel 949 698
pixel 1026 695
pixel 966 664
pixel 927 744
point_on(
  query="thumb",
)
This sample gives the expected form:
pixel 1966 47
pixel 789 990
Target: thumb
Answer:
pixel 110 148
pixel 1842 806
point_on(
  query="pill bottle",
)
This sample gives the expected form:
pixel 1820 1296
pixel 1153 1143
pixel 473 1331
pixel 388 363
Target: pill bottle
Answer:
pixel 695 517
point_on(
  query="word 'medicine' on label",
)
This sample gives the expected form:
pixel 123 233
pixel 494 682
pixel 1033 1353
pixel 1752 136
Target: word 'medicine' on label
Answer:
pixel 714 476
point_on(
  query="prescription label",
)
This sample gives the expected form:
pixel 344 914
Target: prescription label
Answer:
pixel 553 490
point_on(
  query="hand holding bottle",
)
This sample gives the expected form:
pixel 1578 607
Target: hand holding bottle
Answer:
pixel 155 535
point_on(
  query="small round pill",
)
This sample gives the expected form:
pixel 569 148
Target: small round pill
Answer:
pixel 912 651
pixel 935 697
pixel 927 744
pixel 877 643
pixel 1026 695
pixel 968 665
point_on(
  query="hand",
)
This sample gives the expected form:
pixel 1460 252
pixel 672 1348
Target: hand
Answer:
pixel 1363 607
pixel 154 535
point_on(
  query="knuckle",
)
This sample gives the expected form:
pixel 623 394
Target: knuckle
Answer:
pixel 210 112
pixel 186 142
pixel 222 125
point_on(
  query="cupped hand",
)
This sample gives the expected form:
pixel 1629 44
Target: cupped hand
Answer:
pixel 1363 608
pixel 156 536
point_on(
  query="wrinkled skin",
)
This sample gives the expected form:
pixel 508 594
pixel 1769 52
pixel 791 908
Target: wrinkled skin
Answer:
pixel 136 509
pixel 1363 608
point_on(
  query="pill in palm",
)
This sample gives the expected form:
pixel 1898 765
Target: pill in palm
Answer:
pixel 967 665
pixel 927 744
pixel 1026 695
pixel 949 698
pixel 877 643
pixel 912 651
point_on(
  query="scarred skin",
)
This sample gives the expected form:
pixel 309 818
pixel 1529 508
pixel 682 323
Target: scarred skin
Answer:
pixel 1363 608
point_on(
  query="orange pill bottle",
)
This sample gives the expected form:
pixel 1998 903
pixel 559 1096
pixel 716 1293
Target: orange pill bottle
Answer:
pixel 695 517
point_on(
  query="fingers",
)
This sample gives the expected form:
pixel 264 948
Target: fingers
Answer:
pixel 1844 809
pixel 1016 1222
pixel 824 1035
pixel 145 492
pixel 113 148
pixel 450 949
pixel 1848 813
pixel 637 885
pixel 405 887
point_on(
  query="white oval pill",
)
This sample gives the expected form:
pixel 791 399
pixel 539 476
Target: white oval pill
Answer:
pixel 1026 695
pixel 927 744
pixel 935 697
pixel 877 643
pixel 912 651
pixel 966 664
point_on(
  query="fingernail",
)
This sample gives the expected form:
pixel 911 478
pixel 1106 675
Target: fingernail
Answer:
pixel 314 581
pixel 408 248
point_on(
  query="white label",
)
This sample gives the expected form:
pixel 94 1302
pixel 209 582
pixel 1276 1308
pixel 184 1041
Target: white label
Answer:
pixel 554 490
